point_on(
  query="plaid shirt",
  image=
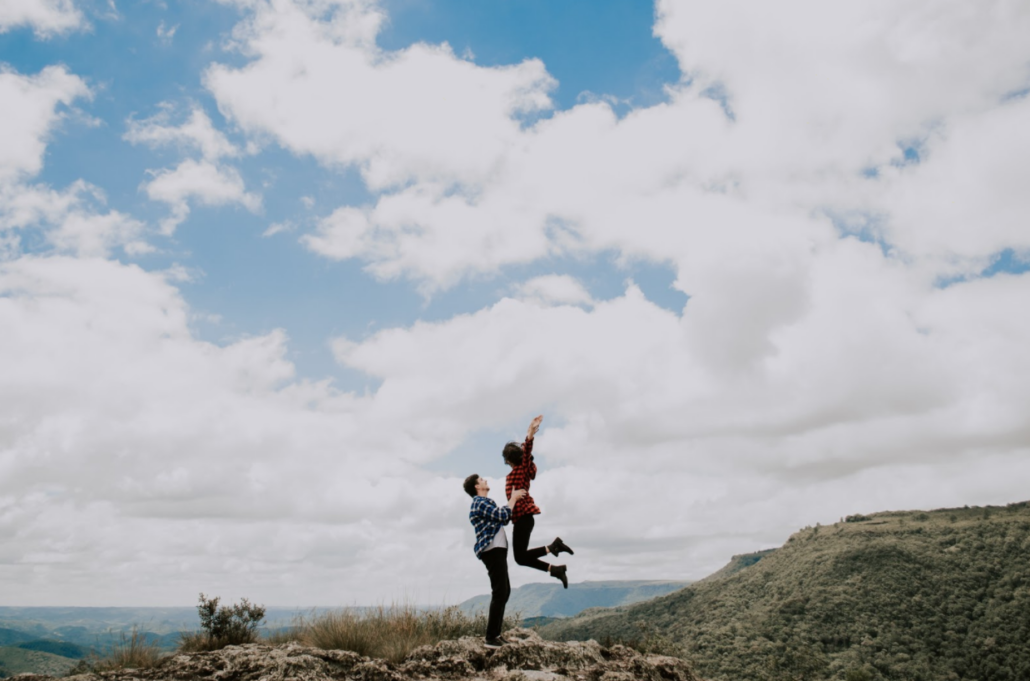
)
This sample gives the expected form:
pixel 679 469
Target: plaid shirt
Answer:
pixel 519 479
pixel 487 519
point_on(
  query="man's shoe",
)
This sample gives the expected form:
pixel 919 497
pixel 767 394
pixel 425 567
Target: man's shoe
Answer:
pixel 494 643
pixel 558 572
pixel 557 546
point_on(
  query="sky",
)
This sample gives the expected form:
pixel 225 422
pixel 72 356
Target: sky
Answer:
pixel 276 275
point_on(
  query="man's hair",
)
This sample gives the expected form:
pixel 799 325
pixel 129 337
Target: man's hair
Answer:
pixel 513 453
pixel 470 484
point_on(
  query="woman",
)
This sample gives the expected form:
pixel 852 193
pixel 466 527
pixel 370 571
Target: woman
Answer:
pixel 523 471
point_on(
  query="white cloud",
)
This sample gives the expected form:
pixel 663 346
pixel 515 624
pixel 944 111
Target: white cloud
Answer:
pixel 278 228
pixel 810 375
pixel 967 199
pixel 46 17
pixel 30 114
pixel 118 423
pixel 202 181
pixel 322 88
pixel 554 289
pixel 207 180
pixel 166 33
pixel 196 133
pixel 484 191
pixel 73 220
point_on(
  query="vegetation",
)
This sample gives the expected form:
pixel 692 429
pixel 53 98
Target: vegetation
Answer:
pixel 62 648
pixel 941 595
pixel 133 650
pixel 389 633
pixel 14 660
pixel 223 626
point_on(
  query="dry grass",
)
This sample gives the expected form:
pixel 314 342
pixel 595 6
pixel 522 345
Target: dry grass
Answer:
pixel 388 633
pixel 132 651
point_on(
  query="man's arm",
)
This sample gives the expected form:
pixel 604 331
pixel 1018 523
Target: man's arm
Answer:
pixel 489 510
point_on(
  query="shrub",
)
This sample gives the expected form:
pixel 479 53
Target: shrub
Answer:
pixel 134 650
pixel 223 626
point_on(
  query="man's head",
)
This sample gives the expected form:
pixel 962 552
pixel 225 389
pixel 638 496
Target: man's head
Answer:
pixel 512 454
pixel 476 486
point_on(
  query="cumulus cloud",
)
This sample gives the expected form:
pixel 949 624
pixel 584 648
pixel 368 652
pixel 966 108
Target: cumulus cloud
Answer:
pixel 202 181
pixel 29 115
pixel 119 422
pixel 339 98
pixel 207 180
pixel 554 289
pixel 45 17
pixel 74 219
pixel 818 368
pixel 196 133
pixel 803 136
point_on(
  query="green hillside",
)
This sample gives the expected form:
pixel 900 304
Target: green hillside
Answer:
pixel 551 600
pixel 62 648
pixel 19 661
pixel 940 595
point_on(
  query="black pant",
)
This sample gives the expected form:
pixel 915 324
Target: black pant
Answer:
pixel 520 544
pixel 496 561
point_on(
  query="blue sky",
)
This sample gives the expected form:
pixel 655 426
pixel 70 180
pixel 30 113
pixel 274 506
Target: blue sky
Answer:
pixel 274 276
pixel 255 285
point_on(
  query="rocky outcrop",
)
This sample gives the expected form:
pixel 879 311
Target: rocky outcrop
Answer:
pixel 526 657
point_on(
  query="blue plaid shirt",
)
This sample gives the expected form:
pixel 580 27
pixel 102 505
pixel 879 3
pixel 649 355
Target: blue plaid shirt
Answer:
pixel 487 519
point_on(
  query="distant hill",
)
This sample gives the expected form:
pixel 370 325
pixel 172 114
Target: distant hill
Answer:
pixel 13 637
pixel 62 648
pixel 551 600
pixel 99 628
pixel 916 595
pixel 18 661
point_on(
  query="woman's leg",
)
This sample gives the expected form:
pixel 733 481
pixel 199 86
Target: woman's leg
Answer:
pixel 520 545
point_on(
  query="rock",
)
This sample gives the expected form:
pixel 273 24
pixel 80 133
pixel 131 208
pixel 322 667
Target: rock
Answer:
pixel 526 657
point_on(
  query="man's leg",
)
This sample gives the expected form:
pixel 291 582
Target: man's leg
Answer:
pixel 520 544
pixel 496 561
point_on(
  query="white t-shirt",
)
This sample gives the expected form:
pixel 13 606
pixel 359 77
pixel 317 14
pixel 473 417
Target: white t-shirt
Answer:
pixel 500 540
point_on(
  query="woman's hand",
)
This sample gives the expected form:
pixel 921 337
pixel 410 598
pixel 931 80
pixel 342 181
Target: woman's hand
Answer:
pixel 534 426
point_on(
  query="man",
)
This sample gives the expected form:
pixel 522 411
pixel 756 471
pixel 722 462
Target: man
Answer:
pixel 523 470
pixel 492 548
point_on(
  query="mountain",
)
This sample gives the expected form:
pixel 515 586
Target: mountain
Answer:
pixel 915 595
pixel 62 648
pixel 10 637
pixel 18 661
pixel 551 600
pixel 99 628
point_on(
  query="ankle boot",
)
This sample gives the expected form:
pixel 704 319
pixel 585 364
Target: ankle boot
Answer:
pixel 557 546
pixel 558 572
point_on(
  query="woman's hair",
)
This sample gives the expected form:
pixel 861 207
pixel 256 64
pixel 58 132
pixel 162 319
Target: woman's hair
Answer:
pixel 513 453
pixel 470 484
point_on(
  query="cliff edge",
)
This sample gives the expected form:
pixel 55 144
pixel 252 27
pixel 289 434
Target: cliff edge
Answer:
pixel 526 657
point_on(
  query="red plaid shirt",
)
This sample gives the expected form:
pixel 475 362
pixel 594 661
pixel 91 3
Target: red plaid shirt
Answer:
pixel 519 479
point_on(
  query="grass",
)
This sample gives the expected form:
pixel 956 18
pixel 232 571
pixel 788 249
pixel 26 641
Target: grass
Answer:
pixel 134 650
pixel 388 633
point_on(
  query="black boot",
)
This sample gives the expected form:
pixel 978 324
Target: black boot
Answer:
pixel 557 546
pixel 558 572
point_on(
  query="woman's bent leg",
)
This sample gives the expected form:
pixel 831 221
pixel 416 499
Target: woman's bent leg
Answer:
pixel 520 545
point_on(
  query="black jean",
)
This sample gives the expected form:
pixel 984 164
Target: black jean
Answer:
pixel 496 561
pixel 520 544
